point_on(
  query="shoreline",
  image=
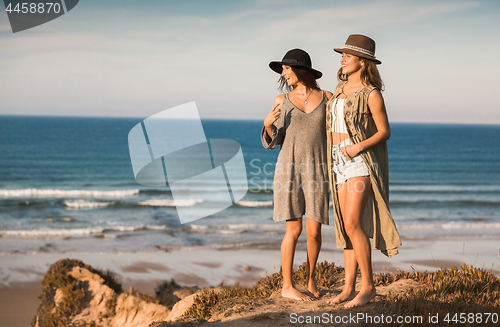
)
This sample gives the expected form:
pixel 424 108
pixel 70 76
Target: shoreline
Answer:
pixel 209 267
pixel 21 274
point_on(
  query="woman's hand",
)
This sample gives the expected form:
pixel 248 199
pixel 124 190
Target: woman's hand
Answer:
pixel 272 115
pixel 350 151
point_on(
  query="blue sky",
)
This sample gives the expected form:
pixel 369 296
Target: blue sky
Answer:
pixel 127 58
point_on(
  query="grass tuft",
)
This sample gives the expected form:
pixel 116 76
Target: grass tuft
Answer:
pixel 327 274
pixel 164 293
pixel 110 308
pixel 465 289
pixel 145 297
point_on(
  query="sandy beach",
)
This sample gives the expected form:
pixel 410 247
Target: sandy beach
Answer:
pixel 20 275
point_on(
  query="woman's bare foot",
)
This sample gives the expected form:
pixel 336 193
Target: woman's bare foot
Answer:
pixel 312 287
pixel 342 297
pixel 295 294
pixel 362 298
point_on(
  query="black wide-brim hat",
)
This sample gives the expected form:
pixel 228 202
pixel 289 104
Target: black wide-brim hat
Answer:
pixel 361 46
pixel 295 58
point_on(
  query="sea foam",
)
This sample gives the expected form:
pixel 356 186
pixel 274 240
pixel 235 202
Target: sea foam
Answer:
pixel 451 225
pixel 33 192
pixel 170 203
pixel 74 232
pixel 255 203
pixel 83 204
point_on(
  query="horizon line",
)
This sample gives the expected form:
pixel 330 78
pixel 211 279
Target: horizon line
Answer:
pixel 242 119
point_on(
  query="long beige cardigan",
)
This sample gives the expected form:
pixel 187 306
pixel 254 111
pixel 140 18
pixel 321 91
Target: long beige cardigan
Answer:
pixel 377 220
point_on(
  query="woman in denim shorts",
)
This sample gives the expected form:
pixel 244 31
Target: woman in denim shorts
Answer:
pixel 357 131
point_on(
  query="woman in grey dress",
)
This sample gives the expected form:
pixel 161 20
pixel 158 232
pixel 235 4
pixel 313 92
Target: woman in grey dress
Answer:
pixel 297 123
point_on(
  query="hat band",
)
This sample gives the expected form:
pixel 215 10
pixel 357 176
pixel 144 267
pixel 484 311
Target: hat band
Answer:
pixel 353 47
pixel 293 61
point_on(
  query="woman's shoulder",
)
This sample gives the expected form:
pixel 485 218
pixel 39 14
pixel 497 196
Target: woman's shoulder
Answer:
pixel 374 95
pixel 328 94
pixel 279 99
pixel 369 87
pixel 368 90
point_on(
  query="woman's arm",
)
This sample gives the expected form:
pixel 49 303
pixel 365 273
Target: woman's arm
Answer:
pixel 272 133
pixel 273 114
pixel 379 115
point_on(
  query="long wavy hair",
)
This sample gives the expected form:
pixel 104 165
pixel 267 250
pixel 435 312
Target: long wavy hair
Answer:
pixel 369 74
pixel 304 76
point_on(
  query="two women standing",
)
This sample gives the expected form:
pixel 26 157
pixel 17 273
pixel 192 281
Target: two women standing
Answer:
pixel 355 125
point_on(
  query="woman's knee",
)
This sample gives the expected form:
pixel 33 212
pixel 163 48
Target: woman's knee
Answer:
pixel 313 233
pixel 294 231
pixel 351 226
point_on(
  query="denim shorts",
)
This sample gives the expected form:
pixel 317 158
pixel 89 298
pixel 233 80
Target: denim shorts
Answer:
pixel 344 169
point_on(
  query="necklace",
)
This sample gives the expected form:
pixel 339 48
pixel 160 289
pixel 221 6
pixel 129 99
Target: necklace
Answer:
pixel 305 101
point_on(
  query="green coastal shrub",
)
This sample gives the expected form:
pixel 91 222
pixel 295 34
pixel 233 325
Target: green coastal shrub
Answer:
pixel 464 289
pixel 446 292
pixel 72 291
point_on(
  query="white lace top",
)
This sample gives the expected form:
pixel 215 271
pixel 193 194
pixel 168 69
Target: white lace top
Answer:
pixel 338 123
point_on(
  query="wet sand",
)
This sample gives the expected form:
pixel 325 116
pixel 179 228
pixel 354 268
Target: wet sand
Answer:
pixel 18 304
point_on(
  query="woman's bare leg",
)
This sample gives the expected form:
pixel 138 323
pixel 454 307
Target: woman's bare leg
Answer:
pixel 351 269
pixel 293 230
pixel 313 229
pixel 350 264
pixel 356 197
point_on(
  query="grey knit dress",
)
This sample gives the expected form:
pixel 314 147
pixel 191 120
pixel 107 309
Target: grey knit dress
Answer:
pixel 301 184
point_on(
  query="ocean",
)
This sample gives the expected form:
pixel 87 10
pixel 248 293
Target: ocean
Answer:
pixel 67 185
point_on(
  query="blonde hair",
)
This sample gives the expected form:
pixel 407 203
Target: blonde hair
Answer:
pixel 369 74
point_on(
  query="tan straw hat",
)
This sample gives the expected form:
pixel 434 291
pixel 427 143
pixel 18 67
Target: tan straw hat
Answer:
pixel 361 46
